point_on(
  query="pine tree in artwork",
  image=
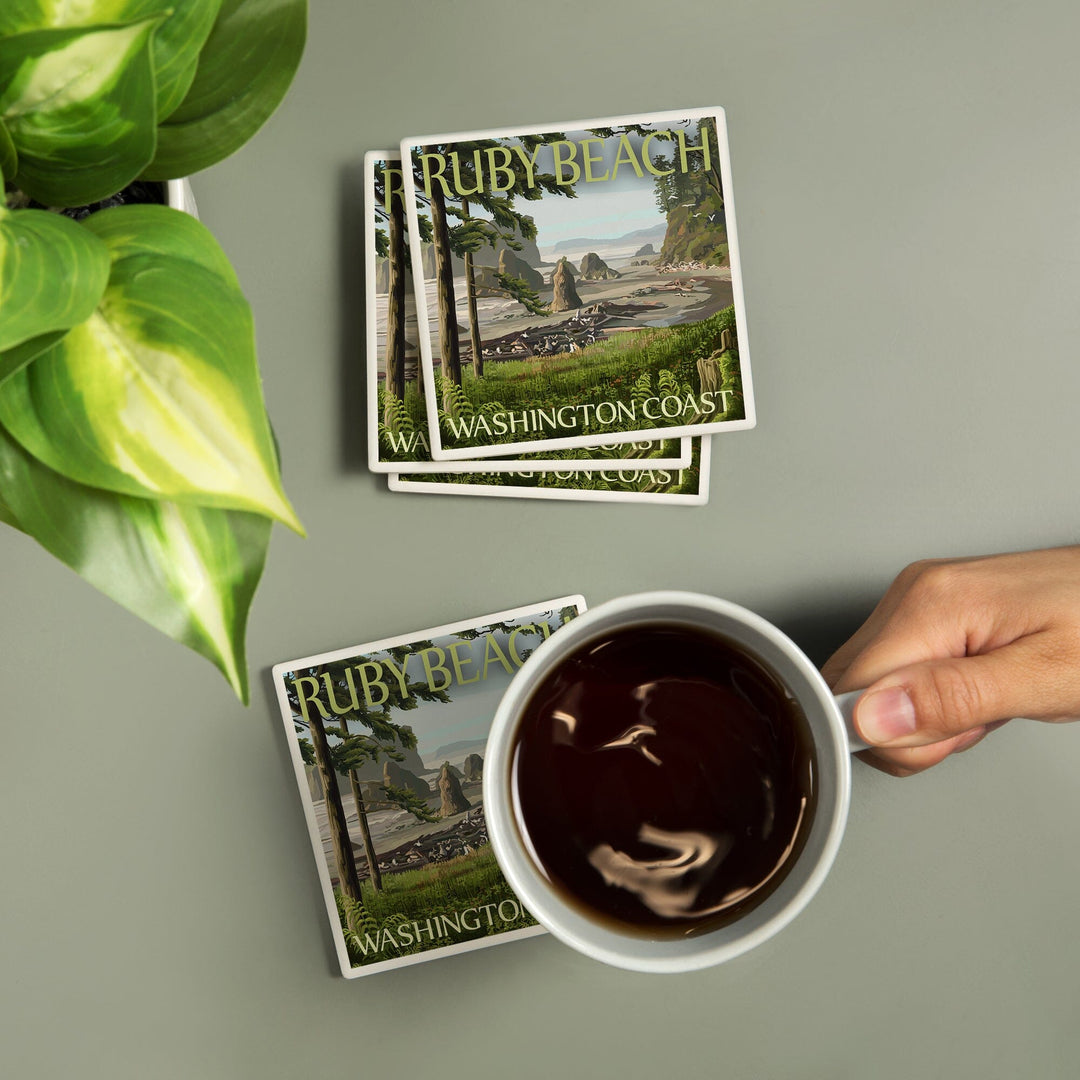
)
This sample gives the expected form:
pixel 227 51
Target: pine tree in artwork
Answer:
pixel 351 754
pixel 484 218
pixel 379 737
pixel 391 243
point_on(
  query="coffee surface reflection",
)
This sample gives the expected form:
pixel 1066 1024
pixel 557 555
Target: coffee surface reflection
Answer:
pixel 663 779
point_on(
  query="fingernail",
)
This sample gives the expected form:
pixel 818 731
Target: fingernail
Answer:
pixel 885 715
pixel 972 737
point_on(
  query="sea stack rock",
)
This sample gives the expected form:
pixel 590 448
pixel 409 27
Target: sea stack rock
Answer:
pixel 484 278
pixel 593 268
pixel 474 767
pixel 565 296
pixel 373 770
pixel 453 799
pixel 395 776
pixel 512 266
pixel 648 249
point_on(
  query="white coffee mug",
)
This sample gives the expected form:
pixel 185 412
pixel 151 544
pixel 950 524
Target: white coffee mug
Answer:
pixel 834 739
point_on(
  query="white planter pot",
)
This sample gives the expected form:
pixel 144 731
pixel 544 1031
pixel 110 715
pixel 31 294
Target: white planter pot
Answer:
pixel 178 194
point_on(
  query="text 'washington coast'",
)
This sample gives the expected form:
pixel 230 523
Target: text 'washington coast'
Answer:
pixel 438 927
pixel 590 414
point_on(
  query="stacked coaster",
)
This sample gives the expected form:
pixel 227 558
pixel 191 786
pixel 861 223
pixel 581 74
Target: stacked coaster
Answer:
pixel 556 312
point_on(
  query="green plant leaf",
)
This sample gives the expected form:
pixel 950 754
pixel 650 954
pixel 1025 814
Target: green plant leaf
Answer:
pixel 157 394
pixel 53 272
pixel 15 359
pixel 7 515
pixel 187 570
pixel 9 157
pixel 79 107
pixel 146 229
pixel 244 70
pixel 176 45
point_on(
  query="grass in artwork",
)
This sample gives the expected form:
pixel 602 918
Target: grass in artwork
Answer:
pixel 609 365
pixel 639 369
pixel 459 900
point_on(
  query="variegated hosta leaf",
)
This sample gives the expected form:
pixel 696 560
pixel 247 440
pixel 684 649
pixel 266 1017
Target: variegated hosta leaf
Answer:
pixel 7 515
pixel 79 107
pixel 176 45
pixel 157 394
pixel 155 230
pixel 53 272
pixel 190 571
pixel 9 157
pixel 245 69
pixel 12 360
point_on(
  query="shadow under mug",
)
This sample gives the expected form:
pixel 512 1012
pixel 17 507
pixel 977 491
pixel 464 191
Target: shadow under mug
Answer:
pixel 834 740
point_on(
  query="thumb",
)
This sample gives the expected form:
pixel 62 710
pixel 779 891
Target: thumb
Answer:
pixel 938 699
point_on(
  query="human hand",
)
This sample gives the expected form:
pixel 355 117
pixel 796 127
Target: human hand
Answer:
pixel 956 647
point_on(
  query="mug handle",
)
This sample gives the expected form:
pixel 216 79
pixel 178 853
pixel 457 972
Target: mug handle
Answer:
pixel 846 704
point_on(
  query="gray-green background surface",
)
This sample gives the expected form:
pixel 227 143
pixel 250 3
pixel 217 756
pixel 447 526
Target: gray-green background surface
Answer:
pixel 907 179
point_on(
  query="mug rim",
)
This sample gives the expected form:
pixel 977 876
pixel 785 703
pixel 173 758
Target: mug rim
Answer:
pixel 635 951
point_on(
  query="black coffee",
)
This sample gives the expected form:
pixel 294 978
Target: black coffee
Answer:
pixel 664 779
